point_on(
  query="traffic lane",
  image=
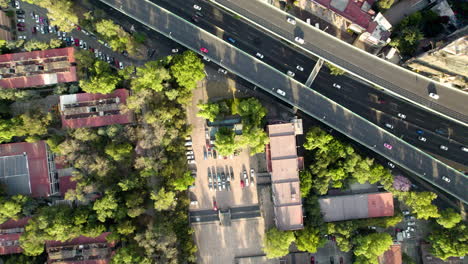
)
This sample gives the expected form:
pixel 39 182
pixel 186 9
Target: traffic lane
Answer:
pixel 393 106
pixel 246 37
pixel 401 128
pixel 392 77
pixel 304 98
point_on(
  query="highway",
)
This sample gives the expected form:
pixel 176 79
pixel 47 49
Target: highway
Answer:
pixel 355 95
pixel 295 93
pixel 397 80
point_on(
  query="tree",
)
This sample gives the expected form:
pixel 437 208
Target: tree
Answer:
pixel 401 183
pixel 421 204
pixel 452 242
pixel 151 76
pixel 163 200
pixel 276 243
pixel 119 152
pixel 368 247
pixel 106 207
pixel 255 139
pixel 125 228
pixel 316 138
pixel 55 43
pixel 449 218
pixel 334 70
pixel 225 141
pixel 35 45
pixel 309 239
pixel 129 255
pixel 12 207
pixel 118 38
pixel 187 70
pixel 305 178
pixel 159 240
pixel 208 111
pixel 384 4
pixel 181 183
pixel 102 80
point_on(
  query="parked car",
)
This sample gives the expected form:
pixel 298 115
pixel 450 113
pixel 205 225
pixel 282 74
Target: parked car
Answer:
pixel 312 260
pixel 121 66
pixel 231 40
pixel 223 71
pixel 411 223
pixel 175 50
pixel 191 161
pixel 290 73
pixel 464 149
pixel 21 29
pixel 291 20
pixel 21 20
pixel 190 157
pixel 341 260
pixel 17 4
pixel 34 30
pixel 406 212
pixel 281 92
pixel 391 165
pixel 434 95
pixel 332 260
pixel 195 19
pixel 299 40
pixel 21 37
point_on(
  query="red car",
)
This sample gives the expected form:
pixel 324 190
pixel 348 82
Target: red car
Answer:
pixel 20 28
pixel 388 146
pixel 77 42
pixel 242 183
pixel 204 50
pixel 215 206
pixel 312 260
pixel 21 24
pixel 78 28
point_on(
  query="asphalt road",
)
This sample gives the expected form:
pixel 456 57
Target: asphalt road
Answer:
pixel 397 80
pixel 359 97
pixel 307 100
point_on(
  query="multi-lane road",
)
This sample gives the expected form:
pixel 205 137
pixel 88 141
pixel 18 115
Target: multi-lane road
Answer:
pixel 295 93
pixel 356 95
pixel 397 80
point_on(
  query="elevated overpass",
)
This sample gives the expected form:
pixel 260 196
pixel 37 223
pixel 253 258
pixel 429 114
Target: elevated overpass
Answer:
pixel 296 94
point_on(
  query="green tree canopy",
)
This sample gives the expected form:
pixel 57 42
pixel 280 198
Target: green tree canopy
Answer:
pixel 106 207
pixel 11 207
pixel 163 200
pixel 368 247
pixel 449 218
pixel 334 70
pixel 305 178
pixel 421 204
pixel 181 183
pixel 119 152
pixel 102 79
pixel 188 69
pixel 226 143
pixel 208 111
pixel 309 239
pixel 384 4
pixel 450 242
pixel 118 38
pixel 129 255
pixel 276 243
pixel 151 76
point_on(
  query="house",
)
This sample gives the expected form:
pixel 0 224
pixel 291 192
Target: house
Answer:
pixel 29 169
pixel 94 110
pixel 392 255
pixel 356 206
pixel 81 250
pixel 5 26
pixel 37 68
pixel 283 165
pixel 10 232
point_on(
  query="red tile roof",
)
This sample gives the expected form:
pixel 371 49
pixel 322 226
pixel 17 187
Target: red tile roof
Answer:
pixel 380 204
pixel 66 183
pixel 352 12
pixel 9 242
pixel 37 164
pixel 391 256
pixel 44 78
pixel 97 121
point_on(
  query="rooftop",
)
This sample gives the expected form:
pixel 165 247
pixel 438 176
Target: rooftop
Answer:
pixel 10 232
pixel 94 110
pixel 283 163
pixel 356 206
pixel 25 169
pixel 37 68
pixel 391 256
pixel 358 12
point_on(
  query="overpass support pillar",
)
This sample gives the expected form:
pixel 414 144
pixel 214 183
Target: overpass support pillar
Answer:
pixel 314 72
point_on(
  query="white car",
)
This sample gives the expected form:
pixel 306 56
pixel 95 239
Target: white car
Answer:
pixel 299 40
pixel 252 173
pixel 411 223
pixel 206 58
pixel 442 147
pixel 198 8
pixel 389 125
pixel 291 20
pixel 464 149
pixel 391 165
pixel 299 68
pixel 191 162
pixel 337 86
pixel 21 37
pixel 290 73
pixel 21 20
pixel 279 91
pixel 223 71
pixel 17 4
pixel 402 116
pixel 446 179
pixel 410 229
pixel 423 139
pixel 189 153
pixel 121 66
pixel 406 212
pixel 259 55
pixel 175 50
pixel 434 95
pixel 190 157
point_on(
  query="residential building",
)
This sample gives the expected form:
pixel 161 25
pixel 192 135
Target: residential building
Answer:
pixel 5 26
pixel 356 206
pixel 447 62
pixel 94 110
pixel 29 169
pixel 392 255
pixel 374 28
pixel 10 232
pixel 37 68
pixel 283 165
pixel 81 250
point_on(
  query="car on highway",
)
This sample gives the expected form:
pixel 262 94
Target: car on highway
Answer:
pixel 443 147
pixel 380 100
pixel 231 40
pixel 196 7
pixel 242 184
pixel 388 146
pixel 464 149
pixel 246 178
pixel 434 95
pixel 390 126
pixel 337 86
pixel 206 58
pixel 259 55
pixel 290 73
pixel 446 179
pixel 299 40
pixel 410 229
pixel 195 19
pixel 223 71
pixel 174 50
pixel 402 116
pixel 423 139
pixel 299 68
pixel 281 92
pixel 204 50
pixel 291 20
pixel 391 165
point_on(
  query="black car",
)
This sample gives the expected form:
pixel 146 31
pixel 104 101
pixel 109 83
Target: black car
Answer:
pixel 332 260
pixel 195 19
pixel 20 12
